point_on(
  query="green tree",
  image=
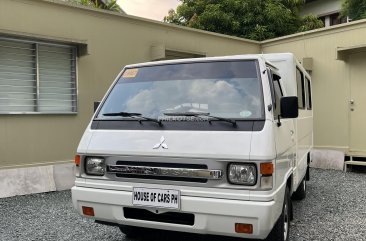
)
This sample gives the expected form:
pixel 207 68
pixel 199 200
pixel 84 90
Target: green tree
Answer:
pixel 110 5
pixel 310 22
pixel 253 19
pixel 354 9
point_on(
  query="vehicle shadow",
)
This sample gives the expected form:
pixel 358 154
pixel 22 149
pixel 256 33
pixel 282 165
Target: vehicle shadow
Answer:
pixel 179 236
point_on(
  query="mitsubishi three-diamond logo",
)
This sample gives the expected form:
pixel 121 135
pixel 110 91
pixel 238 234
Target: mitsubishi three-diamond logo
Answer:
pixel 161 144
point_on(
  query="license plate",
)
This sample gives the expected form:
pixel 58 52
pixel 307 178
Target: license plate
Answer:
pixel 153 197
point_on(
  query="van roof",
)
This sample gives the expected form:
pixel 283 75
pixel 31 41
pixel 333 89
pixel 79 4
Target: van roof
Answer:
pixel 208 59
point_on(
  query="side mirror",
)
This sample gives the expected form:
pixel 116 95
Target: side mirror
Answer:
pixel 289 107
pixel 96 104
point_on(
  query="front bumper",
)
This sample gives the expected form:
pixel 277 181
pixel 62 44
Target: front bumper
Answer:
pixel 216 216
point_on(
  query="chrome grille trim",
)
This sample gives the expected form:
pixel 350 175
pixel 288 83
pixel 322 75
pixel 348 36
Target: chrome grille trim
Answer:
pixel 165 171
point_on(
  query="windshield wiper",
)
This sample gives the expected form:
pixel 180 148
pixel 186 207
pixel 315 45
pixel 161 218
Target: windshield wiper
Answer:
pixel 133 115
pixel 198 114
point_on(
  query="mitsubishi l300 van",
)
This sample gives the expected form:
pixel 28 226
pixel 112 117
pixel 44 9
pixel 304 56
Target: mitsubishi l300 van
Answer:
pixel 209 145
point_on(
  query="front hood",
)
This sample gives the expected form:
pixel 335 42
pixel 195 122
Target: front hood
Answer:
pixel 200 144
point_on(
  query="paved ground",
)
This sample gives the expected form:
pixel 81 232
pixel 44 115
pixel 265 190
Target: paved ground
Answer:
pixel 335 209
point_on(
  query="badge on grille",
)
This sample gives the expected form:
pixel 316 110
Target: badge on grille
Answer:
pixel 161 144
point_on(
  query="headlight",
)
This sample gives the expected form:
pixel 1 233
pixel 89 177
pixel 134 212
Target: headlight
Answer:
pixel 245 174
pixel 95 166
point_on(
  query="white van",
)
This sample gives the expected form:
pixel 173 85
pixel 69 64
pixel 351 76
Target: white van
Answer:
pixel 209 145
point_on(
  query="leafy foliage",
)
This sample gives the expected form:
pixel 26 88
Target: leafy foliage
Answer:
pixel 354 9
pixel 310 22
pixel 253 19
pixel 110 5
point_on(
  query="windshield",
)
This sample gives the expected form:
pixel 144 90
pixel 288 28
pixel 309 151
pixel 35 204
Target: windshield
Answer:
pixel 230 89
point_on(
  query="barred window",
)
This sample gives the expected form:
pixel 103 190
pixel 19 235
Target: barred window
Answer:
pixel 37 77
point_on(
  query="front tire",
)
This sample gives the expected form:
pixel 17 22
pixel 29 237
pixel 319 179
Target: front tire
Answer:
pixel 281 230
pixel 300 193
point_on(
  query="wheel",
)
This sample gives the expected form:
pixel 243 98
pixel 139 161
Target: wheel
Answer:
pixel 308 168
pixel 132 232
pixel 300 193
pixel 307 173
pixel 281 230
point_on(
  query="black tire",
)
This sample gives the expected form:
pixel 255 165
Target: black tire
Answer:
pixel 307 173
pixel 300 193
pixel 281 230
pixel 132 232
pixel 308 168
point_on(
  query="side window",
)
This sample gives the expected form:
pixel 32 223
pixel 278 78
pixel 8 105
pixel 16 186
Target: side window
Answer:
pixel 300 88
pixel 308 94
pixel 278 95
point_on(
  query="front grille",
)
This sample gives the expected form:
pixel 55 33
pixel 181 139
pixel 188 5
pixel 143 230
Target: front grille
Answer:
pixel 168 217
pixel 161 164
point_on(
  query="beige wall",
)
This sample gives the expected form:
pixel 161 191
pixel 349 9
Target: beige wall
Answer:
pixel 112 41
pixel 331 85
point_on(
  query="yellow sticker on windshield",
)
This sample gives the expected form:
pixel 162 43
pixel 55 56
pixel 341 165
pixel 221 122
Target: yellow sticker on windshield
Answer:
pixel 130 73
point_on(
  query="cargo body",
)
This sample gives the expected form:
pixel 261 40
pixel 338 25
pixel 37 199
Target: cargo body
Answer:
pixel 211 146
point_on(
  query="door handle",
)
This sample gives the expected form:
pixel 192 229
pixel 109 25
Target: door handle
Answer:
pixel 352 102
pixel 292 132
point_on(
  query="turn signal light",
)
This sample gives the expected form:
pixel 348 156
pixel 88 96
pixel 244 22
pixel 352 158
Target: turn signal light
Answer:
pixel 77 160
pixel 267 168
pixel 244 228
pixel 88 211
